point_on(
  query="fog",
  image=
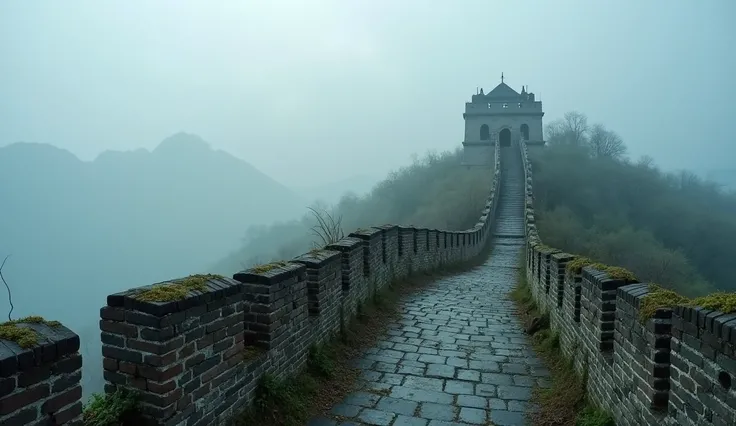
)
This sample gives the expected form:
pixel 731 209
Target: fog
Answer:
pixel 163 130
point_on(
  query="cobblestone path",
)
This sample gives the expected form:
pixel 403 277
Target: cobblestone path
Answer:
pixel 457 355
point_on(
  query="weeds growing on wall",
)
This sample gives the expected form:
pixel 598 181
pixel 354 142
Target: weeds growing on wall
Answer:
pixel 565 401
pixel 117 408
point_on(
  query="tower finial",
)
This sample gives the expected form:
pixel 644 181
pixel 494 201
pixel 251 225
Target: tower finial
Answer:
pixel 502 77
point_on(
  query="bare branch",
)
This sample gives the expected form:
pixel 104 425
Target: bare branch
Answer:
pixel 10 296
pixel 605 143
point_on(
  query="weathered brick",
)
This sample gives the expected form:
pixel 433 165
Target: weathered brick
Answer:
pixel 60 401
pixel 23 398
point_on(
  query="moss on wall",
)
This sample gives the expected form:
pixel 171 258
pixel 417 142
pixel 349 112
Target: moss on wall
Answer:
pixel 25 337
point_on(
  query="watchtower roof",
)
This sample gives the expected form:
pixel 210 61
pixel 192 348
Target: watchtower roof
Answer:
pixel 503 91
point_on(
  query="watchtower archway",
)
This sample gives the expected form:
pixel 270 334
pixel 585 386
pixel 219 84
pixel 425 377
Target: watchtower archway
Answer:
pixel 504 137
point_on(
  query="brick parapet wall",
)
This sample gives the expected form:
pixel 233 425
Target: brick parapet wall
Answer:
pixel 199 360
pixel 41 385
pixel 677 368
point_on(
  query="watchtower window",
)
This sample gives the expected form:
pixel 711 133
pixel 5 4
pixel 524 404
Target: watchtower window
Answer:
pixel 505 105
pixel 524 130
pixel 484 132
pixel 489 105
pixel 519 104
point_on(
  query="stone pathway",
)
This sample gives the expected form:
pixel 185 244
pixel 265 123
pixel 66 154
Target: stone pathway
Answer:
pixel 458 354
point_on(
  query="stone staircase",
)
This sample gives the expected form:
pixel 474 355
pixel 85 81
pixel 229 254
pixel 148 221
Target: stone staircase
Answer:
pixel 510 215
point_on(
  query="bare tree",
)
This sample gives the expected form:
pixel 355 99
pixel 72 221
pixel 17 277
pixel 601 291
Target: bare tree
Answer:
pixel 570 130
pixel 576 125
pixel 605 143
pixel 328 228
pixel 645 161
pixel 10 296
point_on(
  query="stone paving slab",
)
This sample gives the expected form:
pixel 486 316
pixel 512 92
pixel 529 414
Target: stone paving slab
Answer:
pixel 457 355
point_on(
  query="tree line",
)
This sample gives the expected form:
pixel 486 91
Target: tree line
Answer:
pixel 672 228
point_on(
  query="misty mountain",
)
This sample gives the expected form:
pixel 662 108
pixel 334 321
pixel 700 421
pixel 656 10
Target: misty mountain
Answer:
pixel 78 231
pixel 331 192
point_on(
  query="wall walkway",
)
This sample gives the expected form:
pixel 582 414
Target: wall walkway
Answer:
pixel 457 355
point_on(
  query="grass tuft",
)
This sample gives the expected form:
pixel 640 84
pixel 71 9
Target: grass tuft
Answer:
pixel 111 409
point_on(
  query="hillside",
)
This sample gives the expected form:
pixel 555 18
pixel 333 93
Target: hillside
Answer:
pixel 674 229
pixel 331 192
pixel 78 231
pixel 433 192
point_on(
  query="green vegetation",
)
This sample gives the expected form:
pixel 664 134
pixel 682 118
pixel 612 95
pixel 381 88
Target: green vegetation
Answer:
pixel 616 272
pixel 176 290
pixel 576 265
pixel 659 298
pixel 111 409
pixel 566 401
pixel 670 228
pixel 434 192
pixel 724 302
pixel 25 337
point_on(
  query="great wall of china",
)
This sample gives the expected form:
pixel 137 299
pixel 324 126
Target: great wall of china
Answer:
pixel 197 360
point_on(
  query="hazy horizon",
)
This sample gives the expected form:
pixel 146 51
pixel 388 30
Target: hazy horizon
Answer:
pixel 281 84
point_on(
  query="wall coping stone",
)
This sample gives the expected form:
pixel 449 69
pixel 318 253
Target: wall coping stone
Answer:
pixel 276 275
pixel 53 344
pixel 217 288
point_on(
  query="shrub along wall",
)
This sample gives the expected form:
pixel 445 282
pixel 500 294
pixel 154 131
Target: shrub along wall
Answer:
pixel 651 358
pixel 194 349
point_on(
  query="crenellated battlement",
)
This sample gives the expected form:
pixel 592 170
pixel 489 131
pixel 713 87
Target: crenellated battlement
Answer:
pixel 675 367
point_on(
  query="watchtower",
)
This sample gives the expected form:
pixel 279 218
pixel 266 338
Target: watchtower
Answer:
pixel 500 116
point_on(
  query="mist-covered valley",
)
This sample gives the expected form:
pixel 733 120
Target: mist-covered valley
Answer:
pixel 77 231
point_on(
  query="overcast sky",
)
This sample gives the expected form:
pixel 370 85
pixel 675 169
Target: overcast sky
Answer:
pixel 314 91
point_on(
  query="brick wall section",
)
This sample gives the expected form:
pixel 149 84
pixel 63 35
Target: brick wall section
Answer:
pixel 324 291
pixel 407 241
pixel 41 385
pixel 555 297
pixel 678 368
pixel 703 368
pixel 354 290
pixel 182 356
pixel 643 363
